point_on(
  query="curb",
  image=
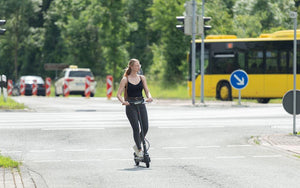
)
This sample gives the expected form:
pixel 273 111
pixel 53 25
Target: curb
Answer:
pixel 281 142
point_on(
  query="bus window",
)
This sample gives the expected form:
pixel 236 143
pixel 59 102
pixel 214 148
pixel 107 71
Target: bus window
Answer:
pixel 224 63
pixel 255 62
pixel 298 61
pixel 206 60
pixel 290 62
pixel 272 64
pixel 284 62
pixel 198 62
pixel 241 61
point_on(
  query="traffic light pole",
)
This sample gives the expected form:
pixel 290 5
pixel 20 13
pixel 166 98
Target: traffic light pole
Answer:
pixel 193 51
pixel 202 58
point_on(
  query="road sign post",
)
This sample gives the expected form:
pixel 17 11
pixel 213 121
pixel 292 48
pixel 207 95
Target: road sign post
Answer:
pixel 239 80
pixel 294 16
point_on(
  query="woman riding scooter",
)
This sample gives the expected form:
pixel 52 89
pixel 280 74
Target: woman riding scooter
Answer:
pixel 132 84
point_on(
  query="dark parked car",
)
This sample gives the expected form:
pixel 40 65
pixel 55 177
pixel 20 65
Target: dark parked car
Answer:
pixel 41 90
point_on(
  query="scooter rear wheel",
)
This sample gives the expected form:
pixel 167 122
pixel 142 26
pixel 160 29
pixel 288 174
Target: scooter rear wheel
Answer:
pixel 137 162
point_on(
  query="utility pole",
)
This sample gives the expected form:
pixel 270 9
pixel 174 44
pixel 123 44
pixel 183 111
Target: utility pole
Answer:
pixel 202 57
pixel 193 51
pixel 193 24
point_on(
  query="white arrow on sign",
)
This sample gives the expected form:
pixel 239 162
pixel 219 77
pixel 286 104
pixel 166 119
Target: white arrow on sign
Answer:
pixel 241 82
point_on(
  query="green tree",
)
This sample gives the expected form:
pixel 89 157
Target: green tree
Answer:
pixel 255 17
pixel 172 44
pixel 16 44
pixel 140 37
pixel 222 18
pixel 114 33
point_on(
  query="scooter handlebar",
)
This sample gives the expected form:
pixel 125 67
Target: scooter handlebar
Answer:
pixel 138 102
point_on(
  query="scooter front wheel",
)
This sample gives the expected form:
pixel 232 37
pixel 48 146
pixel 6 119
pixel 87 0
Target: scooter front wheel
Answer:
pixel 147 161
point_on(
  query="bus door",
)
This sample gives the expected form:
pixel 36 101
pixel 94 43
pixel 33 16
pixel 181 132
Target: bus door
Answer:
pixel 255 70
pixel 275 73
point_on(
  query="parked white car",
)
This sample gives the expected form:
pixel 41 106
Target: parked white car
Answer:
pixel 76 78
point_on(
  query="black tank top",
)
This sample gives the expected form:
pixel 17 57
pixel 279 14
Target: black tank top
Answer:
pixel 135 90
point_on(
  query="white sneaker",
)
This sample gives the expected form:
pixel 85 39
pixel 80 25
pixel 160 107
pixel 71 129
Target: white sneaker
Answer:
pixel 137 152
pixel 140 154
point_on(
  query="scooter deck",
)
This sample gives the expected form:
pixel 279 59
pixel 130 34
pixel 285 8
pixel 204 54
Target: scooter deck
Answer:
pixel 137 160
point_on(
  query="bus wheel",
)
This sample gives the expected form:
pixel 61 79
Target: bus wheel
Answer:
pixel 263 100
pixel 225 92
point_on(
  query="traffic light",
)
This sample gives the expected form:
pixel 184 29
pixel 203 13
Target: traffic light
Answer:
pixel 206 19
pixel 201 24
pixel 180 19
pixel 186 25
pixel 186 20
pixel 2 31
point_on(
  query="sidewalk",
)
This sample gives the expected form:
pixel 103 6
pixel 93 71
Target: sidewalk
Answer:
pixel 288 143
pixel 13 178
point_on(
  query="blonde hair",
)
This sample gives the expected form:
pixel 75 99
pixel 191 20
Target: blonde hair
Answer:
pixel 128 68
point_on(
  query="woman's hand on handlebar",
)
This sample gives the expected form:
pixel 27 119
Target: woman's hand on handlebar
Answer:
pixel 126 103
pixel 149 99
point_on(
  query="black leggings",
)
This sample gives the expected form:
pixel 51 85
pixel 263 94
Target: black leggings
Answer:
pixel 132 115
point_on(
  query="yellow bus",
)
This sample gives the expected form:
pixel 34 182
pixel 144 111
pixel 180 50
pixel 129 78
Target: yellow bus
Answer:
pixel 268 61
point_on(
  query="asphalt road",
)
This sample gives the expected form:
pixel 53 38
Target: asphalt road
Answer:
pixel 78 142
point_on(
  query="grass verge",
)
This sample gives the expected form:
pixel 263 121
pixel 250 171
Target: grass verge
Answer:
pixel 255 140
pixel 298 156
pixel 7 162
pixel 10 104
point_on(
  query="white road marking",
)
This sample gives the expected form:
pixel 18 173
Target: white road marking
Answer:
pixel 75 150
pixel 162 158
pixel 110 149
pixel 192 158
pixel 205 127
pixel 230 157
pixel 42 151
pixel 153 159
pixel 232 146
pixel 267 156
pixel 280 127
pixel 174 147
pixel 47 161
pixel 71 128
pixel 87 160
pixel 202 147
pixel 11 151
pixel 121 159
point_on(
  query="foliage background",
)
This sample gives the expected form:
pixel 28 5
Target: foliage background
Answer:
pixel 104 34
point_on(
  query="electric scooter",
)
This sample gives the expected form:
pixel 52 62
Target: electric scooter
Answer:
pixel 146 158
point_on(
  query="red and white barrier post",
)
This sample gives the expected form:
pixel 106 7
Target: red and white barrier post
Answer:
pixel 66 88
pixel 9 87
pixel 22 87
pixel 48 86
pixel 109 86
pixel 34 87
pixel 87 91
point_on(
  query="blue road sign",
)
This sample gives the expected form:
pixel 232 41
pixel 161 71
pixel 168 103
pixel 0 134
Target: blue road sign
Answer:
pixel 239 79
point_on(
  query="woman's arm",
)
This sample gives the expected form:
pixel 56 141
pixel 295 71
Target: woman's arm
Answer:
pixel 120 91
pixel 147 92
